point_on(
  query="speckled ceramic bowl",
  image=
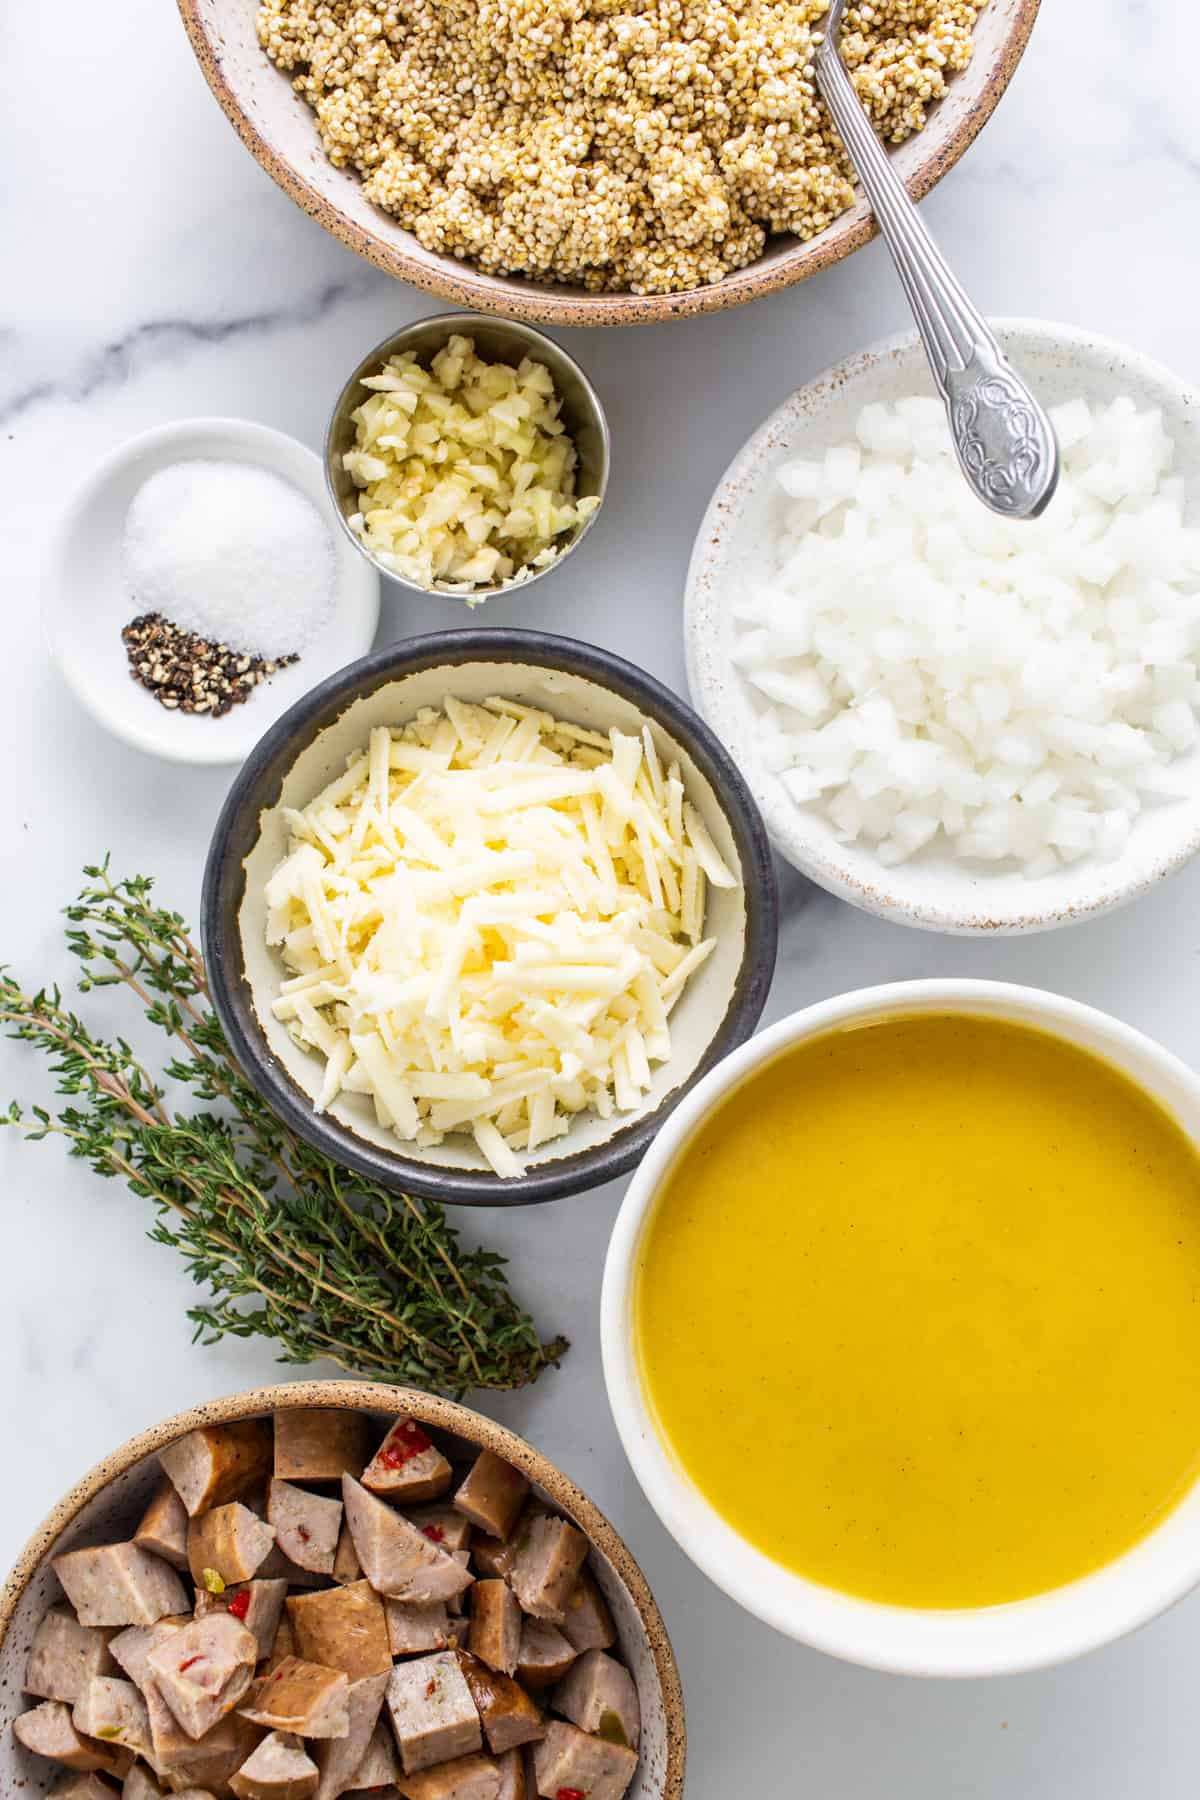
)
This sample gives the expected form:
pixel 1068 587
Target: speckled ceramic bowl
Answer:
pixel 108 1501
pixel 717 1011
pixel 734 547
pixel 278 129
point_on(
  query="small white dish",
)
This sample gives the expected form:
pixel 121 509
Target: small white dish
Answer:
pixel 993 1640
pixel 87 602
pixel 733 547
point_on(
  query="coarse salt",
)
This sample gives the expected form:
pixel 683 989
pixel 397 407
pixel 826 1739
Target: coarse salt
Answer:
pixel 231 552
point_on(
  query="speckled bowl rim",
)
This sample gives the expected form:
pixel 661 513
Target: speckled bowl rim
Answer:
pixel 885 897
pixel 446 1415
pixel 256 788
pixel 573 307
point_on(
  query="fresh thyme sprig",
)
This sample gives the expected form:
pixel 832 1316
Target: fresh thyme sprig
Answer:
pixel 291 1246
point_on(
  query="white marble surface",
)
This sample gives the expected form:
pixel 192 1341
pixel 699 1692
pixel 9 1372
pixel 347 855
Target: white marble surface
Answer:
pixel 152 271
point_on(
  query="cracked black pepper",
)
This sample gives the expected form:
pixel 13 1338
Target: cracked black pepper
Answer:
pixel 192 674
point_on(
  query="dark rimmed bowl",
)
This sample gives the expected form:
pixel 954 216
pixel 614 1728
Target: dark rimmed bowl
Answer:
pixel 308 746
pixel 107 1502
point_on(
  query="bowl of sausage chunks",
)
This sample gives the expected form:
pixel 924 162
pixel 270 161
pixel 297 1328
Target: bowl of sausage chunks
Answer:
pixel 334 1588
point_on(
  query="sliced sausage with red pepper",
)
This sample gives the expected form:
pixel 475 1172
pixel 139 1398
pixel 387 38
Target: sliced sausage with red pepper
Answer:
pixel 570 1761
pixel 306 1526
pixel 397 1559
pixel 408 1465
pixel 258 1605
pixel 433 1714
pixel 203 1671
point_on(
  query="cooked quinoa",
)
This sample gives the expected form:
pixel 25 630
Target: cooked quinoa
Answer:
pixel 637 145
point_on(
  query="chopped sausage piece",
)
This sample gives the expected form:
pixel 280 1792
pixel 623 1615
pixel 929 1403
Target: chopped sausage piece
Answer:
pixel 83 1787
pixel 275 1566
pixel 64 1656
pixel 492 1495
pixel 319 1443
pixel 346 1566
pixel 163 1530
pixel 131 1647
pixel 568 1758
pixel 407 1465
pixel 397 1559
pixel 141 1785
pixel 466 1778
pixel 306 1526
pixel 587 1623
pixel 549 1558
pixel 380 1767
pixel 49 1730
pixel 441 1525
pixel 203 1670
pixel 283 1647
pixel 114 1712
pixel 280 1768
pixel 544 1656
pixel 118 1584
pixel 493 1557
pixel 417 1625
pixel 513 1785
pixel 433 1714
pixel 599 1695
pixel 342 1628
pixel 508 1716
pixel 457 1602
pixel 258 1605
pixel 495 1635
pixel 338 1758
pixel 229 1540
pixel 218 1463
pixel 302 1697
pixel 181 1758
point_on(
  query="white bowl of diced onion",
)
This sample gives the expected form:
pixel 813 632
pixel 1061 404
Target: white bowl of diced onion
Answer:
pixel 407 943
pixel 952 720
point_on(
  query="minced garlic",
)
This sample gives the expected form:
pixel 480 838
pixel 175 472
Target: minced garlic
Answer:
pixel 489 918
pixel 466 470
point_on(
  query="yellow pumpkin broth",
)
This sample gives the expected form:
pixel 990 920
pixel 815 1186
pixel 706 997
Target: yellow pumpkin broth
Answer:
pixel 918 1311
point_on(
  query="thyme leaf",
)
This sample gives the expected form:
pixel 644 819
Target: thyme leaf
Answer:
pixel 290 1245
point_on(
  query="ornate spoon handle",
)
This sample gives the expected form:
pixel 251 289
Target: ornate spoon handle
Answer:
pixel 1004 442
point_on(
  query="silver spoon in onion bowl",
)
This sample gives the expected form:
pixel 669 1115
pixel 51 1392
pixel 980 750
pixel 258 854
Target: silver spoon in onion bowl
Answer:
pixel 1004 442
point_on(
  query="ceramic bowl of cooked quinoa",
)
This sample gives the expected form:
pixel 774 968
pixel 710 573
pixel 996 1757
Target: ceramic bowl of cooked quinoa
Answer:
pixel 609 169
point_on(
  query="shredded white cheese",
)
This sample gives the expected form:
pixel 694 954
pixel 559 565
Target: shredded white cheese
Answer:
pixel 487 920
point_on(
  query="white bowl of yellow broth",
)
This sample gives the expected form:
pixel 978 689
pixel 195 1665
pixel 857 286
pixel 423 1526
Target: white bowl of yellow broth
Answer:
pixel 901 1327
